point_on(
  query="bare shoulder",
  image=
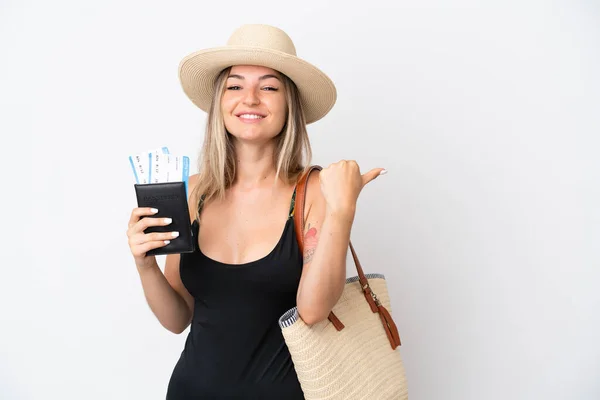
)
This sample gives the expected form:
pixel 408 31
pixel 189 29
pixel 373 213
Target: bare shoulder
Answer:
pixel 192 195
pixel 192 181
pixel 313 187
pixel 315 202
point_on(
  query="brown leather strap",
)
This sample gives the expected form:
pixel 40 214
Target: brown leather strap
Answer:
pixel 376 307
pixel 364 282
pixel 390 327
pixel 299 205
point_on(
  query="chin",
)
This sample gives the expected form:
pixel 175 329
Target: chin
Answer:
pixel 252 134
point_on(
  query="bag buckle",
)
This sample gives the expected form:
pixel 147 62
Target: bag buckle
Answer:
pixel 373 295
pixel 375 298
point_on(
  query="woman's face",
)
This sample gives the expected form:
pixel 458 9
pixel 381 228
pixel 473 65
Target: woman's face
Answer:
pixel 253 105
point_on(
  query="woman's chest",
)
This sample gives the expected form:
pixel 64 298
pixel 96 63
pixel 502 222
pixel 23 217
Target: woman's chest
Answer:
pixel 242 235
pixel 272 275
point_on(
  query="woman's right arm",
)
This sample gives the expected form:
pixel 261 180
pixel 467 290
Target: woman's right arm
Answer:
pixel 168 299
pixel 166 295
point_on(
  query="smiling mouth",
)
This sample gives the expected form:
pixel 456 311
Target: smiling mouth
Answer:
pixel 251 116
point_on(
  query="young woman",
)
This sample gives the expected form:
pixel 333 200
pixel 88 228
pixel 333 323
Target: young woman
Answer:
pixel 247 269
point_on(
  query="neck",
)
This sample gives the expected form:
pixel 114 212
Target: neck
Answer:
pixel 254 165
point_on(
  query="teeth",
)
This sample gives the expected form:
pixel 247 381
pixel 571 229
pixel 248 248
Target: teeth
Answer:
pixel 251 116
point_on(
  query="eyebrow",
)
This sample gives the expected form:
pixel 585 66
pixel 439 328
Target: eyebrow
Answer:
pixel 260 79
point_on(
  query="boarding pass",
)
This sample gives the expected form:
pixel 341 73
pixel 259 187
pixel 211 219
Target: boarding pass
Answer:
pixel 159 166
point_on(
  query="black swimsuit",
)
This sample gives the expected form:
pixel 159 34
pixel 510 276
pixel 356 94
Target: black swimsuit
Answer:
pixel 235 349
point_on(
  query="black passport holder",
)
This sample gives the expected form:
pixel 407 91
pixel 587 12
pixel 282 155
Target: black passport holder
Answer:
pixel 170 199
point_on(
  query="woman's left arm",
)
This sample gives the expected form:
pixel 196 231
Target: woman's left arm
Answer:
pixel 331 205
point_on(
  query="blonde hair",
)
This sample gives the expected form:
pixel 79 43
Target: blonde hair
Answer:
pixel 217 156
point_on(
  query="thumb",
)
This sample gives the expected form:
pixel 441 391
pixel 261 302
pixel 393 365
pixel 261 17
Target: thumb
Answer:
pixel 372 174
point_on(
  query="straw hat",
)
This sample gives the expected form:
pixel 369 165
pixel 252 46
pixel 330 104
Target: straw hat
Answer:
pixel 262 45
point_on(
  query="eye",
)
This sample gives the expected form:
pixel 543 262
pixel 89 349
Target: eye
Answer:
pixel 233 88
pixel 270 89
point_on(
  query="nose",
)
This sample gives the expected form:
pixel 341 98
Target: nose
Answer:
pixel 251 99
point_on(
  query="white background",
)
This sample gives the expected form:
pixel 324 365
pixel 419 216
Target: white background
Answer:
pixel 487 225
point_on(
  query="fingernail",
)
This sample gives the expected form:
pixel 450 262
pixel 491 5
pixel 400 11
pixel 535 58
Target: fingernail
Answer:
pixel 167 241
pixel 175 234
pixel 168 220
pixel 383 172
pixel 153 210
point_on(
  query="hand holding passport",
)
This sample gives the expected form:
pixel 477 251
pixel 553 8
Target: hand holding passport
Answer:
pixel 161 182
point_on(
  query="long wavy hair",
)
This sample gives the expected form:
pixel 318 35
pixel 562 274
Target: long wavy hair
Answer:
pixel 217 167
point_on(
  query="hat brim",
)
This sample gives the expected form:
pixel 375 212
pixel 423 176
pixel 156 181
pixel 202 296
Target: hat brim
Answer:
pixel 198 71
